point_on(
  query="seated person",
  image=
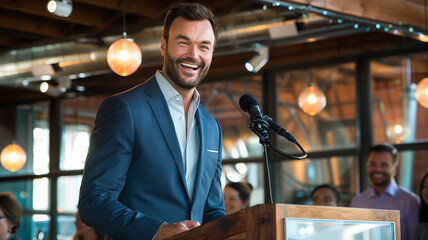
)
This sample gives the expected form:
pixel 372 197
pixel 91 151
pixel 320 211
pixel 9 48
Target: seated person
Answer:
pixel 421 231
pixel 236 196
pixel 325 195
pixel 10 216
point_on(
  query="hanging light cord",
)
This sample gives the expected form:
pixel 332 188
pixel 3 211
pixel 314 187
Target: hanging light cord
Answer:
pixel 124 18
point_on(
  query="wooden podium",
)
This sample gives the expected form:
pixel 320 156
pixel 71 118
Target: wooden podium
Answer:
pixel 266 222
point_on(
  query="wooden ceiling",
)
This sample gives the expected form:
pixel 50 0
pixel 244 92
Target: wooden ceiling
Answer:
pixel 27 23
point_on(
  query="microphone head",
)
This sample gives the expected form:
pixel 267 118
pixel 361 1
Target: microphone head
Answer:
pixel 247 101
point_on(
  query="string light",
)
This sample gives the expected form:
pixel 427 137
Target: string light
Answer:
pixel 397 29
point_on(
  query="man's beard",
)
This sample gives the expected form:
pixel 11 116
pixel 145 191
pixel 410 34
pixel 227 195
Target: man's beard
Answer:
pixel 171 68
pixel 383 182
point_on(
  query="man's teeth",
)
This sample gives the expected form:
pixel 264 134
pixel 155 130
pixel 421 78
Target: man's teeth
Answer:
pixel 190 65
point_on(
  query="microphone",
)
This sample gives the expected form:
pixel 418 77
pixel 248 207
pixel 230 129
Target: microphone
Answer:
pixel 280 130
pixel 258 125
pixel 249 104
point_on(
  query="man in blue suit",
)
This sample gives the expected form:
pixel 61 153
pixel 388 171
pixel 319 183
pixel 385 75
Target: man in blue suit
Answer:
pixel 154 162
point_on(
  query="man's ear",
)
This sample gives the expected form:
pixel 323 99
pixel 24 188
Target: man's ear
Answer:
pixel 396 169
pixel 163 47
pixel 246 204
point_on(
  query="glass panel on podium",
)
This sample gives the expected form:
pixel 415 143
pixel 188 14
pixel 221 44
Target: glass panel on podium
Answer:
pixel 325 229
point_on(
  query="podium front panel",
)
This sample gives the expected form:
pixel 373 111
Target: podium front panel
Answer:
pixel 327 229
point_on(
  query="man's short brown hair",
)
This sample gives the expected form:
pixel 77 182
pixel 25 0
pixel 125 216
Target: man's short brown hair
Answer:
pixel 191 12
pixel 386 147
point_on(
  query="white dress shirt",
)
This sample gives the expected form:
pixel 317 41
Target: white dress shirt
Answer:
pixel 189 141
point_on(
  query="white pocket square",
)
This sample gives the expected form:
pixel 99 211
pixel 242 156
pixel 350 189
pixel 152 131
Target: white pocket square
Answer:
pixel 213 151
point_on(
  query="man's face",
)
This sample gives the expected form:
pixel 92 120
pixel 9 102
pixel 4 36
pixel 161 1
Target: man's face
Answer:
pixel 380 168
pixel 188 52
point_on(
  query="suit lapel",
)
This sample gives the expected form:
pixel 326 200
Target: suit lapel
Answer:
pixel 202 153
pixel 160 110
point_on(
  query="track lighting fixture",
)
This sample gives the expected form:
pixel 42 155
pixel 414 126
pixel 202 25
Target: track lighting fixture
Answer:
pixel 61 8
pixel 258 60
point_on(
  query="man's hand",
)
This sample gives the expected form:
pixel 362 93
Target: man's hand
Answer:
pixel 167 230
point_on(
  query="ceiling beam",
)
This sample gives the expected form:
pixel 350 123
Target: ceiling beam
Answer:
pixel 409 13
pixel 152 9
pixel 35 26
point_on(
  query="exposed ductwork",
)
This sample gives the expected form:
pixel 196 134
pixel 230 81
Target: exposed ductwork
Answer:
pixel 75 59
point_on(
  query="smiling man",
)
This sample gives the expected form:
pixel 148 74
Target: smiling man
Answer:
pixel 154 162
pixel 382 166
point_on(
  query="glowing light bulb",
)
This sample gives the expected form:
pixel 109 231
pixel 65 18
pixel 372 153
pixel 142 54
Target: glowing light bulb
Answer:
pixel 44 86
pixel 421 93
pixel 52 5
pixel 398 129
pixel 124 57
pixel 312 100
pixel 397 132
pixel 13 157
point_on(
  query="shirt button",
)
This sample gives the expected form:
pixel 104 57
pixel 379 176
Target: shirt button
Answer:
pixel 178 99
pixel 182 117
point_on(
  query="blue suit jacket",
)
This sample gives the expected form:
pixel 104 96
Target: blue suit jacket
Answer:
pixel 134 177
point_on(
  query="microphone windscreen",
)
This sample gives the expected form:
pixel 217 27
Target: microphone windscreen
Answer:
pixel 247 101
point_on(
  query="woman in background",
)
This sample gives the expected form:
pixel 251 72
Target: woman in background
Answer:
pixel 84 232
pixel 10 216
pixel 421 232
pixel 236 196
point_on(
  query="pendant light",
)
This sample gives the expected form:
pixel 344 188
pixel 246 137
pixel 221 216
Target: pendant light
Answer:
pixel 312 100
pixel 13 157
pixel 124 55
pixel 421 93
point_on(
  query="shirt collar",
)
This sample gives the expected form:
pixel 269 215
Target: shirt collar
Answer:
pixel 169 91
pixel 391 189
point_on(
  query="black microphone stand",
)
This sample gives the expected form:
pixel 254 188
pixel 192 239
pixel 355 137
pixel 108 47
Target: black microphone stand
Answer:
pixel 259 126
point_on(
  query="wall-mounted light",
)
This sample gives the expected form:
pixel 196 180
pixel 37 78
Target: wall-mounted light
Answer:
pixel 312 100
pixel 421 93
pixel 258 60
pixel 13 157
pixel 61 8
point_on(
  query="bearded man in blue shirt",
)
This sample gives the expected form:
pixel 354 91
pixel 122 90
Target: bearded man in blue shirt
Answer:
pixel 382 166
